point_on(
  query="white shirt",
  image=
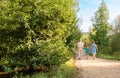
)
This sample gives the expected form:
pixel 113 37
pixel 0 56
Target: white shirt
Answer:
pixel 80 44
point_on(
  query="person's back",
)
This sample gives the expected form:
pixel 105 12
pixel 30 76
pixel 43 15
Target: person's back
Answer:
pixel 87 50
pixel 80 48
pixel 94 48
pixel 80 44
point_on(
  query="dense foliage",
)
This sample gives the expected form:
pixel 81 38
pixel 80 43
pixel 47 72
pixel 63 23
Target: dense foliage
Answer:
pixel 33 32
pixel 115 37
pixel 73 38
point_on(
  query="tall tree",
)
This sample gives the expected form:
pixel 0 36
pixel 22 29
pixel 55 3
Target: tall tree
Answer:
pixel 100 24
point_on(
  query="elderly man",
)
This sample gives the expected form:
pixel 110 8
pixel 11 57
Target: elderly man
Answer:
pixel 80 46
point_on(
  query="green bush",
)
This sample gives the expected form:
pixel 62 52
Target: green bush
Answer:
pixel 66 70
pixel 115 43
pixel 104 50
pixel 33 32
pixel 117 54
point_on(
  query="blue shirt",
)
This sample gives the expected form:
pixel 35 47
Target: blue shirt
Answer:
pixel 93 48
pixel 87 50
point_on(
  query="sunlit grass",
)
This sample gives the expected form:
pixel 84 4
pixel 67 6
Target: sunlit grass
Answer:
pixel 66 70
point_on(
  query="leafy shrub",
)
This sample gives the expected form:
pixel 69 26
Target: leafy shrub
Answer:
pixel 115 42
pixel 33 32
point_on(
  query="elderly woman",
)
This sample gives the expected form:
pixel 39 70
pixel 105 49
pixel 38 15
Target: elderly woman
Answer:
pixel 94 49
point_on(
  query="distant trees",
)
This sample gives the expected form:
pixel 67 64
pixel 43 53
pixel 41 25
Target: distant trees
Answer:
pixel 116 24
pixel 106 37
pixel 100 24
pixel 115 36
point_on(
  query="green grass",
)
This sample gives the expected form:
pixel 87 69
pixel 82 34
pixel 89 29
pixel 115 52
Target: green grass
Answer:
pixel 108 56
pixel 66 70
pixel 36 75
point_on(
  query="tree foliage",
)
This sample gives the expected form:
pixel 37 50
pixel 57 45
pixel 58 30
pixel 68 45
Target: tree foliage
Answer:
pixel 73 38
pixel 75 35
pixel 116 25
pixel 34 32
pixel 101 26
pixel 115 36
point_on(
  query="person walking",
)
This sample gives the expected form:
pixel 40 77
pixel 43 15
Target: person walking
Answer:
pixel 87 50
pixel 80 46
pixel 94 49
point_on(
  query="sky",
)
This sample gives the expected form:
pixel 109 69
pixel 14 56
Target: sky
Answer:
pixel 89 7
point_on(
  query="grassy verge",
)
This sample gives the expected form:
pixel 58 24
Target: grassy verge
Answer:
pixel 107 56
pixel 66 70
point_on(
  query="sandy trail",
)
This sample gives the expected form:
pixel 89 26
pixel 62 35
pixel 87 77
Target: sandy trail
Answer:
pixel 98 68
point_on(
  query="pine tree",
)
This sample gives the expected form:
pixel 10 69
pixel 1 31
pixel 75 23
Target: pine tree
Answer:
pixel 100 24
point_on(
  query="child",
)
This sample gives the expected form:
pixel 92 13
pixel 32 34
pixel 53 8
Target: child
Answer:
pixel 87 50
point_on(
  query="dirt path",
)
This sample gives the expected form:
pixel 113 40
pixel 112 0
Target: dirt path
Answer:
pixel 98 68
